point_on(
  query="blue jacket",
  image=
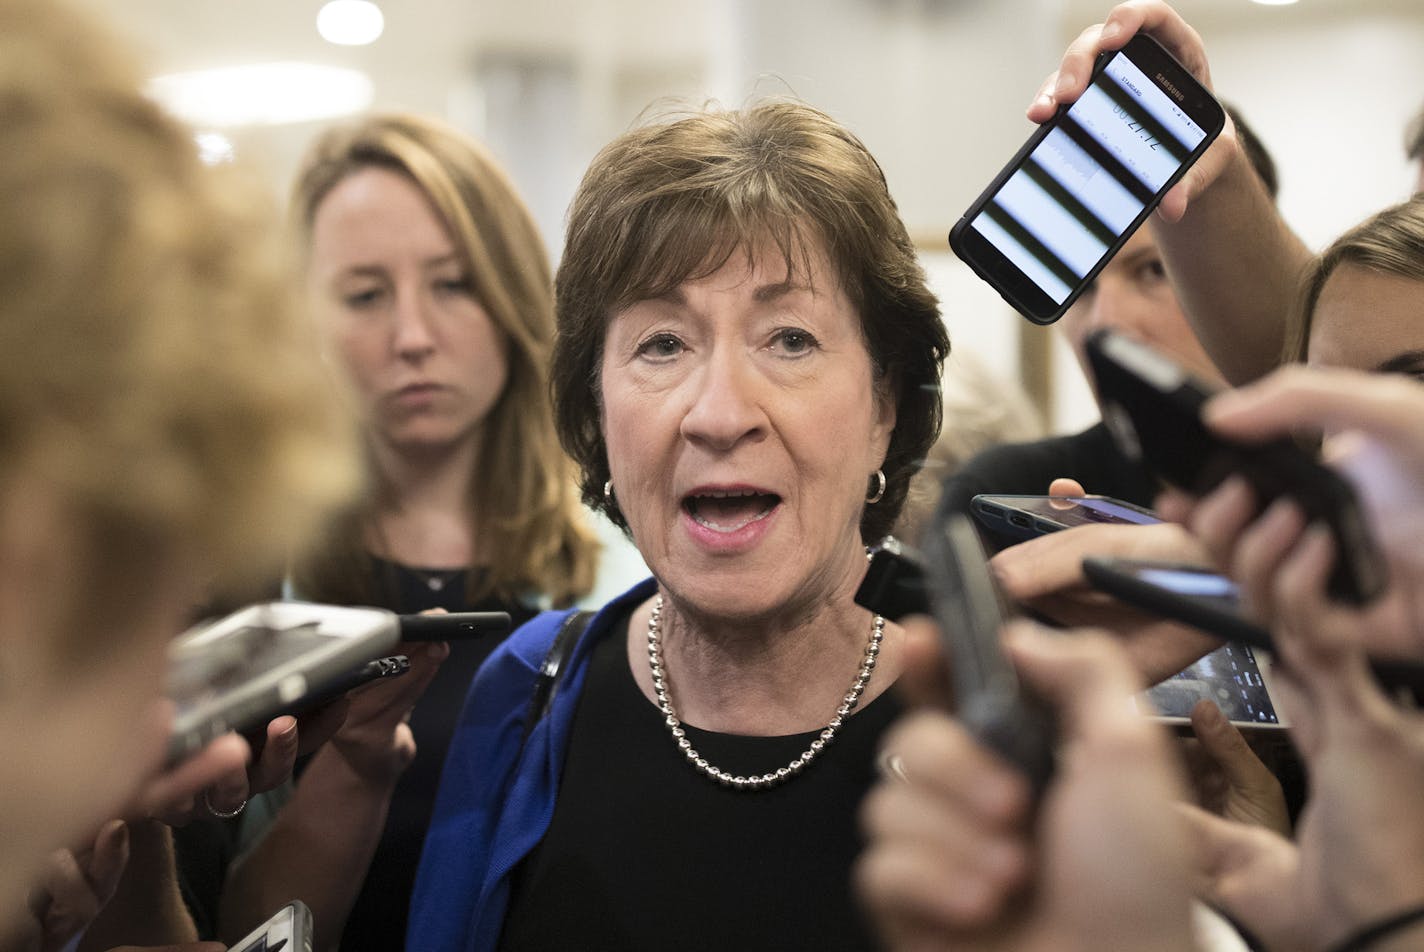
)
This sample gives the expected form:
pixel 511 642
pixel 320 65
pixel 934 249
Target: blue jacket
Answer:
pixel 496 799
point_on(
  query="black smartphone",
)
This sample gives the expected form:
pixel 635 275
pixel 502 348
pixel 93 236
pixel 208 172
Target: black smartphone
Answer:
pixel 453 626
pixel 1200 597
pixel 1086 180
pixel 1018 518
pixel 969 610
pixel 1152 407
pixel 240 671
pixel 290 930
pixel 381 669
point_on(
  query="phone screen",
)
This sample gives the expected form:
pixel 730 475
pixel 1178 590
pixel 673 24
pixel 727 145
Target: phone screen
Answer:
pixel 1057 213
pixel 1230 676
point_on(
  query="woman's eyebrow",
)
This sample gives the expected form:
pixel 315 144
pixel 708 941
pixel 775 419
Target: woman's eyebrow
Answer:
pixel 1409 360
pixel 770 292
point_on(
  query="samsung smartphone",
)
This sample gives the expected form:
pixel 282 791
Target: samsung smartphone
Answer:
pixel 290 930
pixel 242 670
pixel 1086 180
pixel 1019 518
pixel 1152 407
pixel 1198 596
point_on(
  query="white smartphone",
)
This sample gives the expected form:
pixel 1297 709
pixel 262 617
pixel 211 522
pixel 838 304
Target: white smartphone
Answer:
pixel 290 930
pixel 242 670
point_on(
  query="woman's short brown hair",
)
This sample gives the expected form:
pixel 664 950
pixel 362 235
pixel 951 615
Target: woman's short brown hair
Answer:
pixel 673 201
pixel 524 488
pixel 1389 242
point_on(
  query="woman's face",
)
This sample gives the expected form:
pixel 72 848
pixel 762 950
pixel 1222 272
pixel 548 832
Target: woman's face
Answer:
pixel 1368 320
pixel 426 360
pixel 743 422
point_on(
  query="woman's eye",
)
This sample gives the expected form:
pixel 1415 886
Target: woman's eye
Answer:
pixel 460 285
pixel 359 300
pixel 1151 271
pixel 795 342
pixel 660 347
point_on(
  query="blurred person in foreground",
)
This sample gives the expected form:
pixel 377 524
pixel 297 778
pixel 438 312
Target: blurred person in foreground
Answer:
pixel 164 427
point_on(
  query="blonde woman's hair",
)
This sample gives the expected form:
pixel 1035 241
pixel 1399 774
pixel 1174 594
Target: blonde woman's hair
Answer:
pixel 524 491
pixel 1389 242
pixel 155 372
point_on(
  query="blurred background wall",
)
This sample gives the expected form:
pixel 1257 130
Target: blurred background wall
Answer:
pixel 936 88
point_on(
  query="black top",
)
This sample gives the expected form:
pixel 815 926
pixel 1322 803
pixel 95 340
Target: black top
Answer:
pixel 378 919
pixel 645 853
pixel 1091 457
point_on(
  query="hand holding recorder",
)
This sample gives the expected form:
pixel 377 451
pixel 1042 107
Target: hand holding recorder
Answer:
pixel 1278 556
pixel 957 856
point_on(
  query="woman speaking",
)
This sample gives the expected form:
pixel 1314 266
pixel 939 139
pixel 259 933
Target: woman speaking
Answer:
pixel 747 373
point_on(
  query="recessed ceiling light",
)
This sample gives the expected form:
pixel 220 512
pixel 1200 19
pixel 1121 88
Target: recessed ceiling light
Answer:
pixel 214 148
pixel 350 22
pixel 1274 3
pixel 262 94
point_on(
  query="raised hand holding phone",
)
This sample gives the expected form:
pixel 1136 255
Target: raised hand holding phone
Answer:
pixel 1087 179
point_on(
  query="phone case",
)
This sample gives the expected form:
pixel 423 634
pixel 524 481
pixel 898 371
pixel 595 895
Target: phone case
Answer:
pixel 995 268
pixel 240 671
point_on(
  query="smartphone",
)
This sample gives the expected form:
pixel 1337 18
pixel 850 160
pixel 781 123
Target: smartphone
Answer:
pixel 1019 518
pixel 1198 596
pixel 969 609
pixel 290 930
pixel 381 669
pixel 1234 676
pixel 240 671
pixel 1086 180
pixel 1152 407
pixel 453 626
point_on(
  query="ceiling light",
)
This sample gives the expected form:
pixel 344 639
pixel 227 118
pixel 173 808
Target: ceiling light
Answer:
pixel 1274 3
pixel 262 94
pixel 214 148
pixel 350 22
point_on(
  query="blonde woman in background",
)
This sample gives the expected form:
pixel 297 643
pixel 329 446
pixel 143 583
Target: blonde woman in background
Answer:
pixel 435 299
pixel 163 426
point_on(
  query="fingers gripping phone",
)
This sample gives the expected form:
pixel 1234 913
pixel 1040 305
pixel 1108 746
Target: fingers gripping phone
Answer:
pixel 242 670
pixel 953 582
pixel 1197 596
pixel 1019 518
pixel 290 930
pixel 969 610
pixel 1087 179
pixel 1153 407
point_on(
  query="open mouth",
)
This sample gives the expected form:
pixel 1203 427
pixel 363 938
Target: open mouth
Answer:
pixel 730 511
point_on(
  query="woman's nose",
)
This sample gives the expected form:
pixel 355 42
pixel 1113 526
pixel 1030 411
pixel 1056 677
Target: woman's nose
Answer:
pixel 727 404
pixel 413 337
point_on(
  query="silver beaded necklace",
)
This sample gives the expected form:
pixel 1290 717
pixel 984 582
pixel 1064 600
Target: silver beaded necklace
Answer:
pixel 782 774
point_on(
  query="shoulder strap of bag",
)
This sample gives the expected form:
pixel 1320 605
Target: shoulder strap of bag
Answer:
pixel 546 686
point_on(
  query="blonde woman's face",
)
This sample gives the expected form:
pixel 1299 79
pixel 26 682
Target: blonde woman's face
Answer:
pixel 426 360
pixel 1367 320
